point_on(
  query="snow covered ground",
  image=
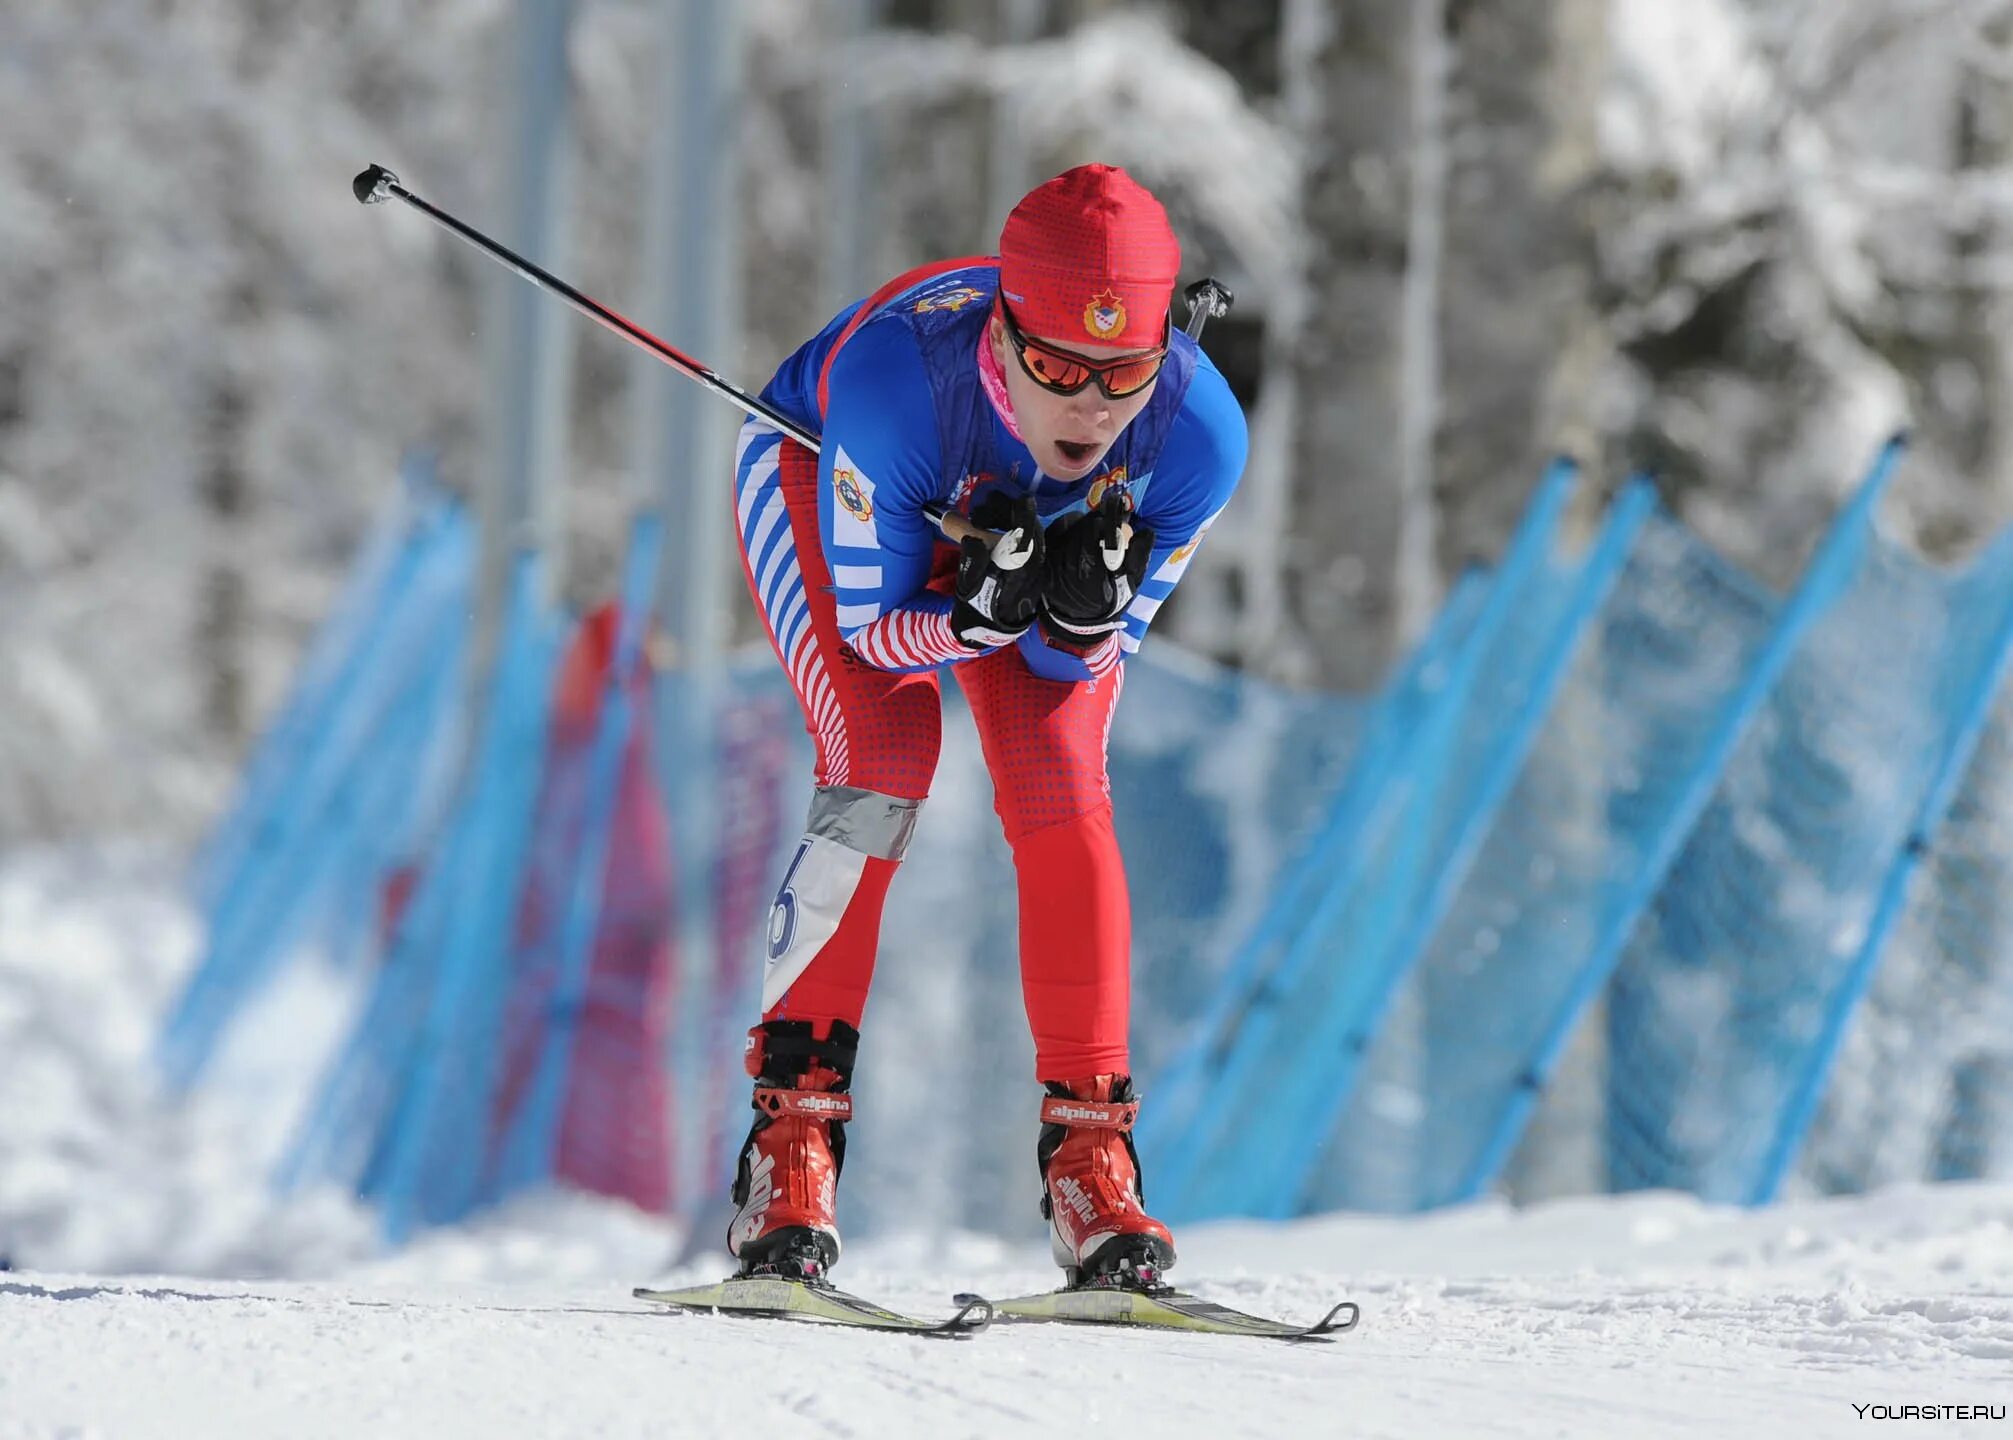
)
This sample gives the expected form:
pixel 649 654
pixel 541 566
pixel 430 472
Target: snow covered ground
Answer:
pixel 1648 1316
pixel 1645 1316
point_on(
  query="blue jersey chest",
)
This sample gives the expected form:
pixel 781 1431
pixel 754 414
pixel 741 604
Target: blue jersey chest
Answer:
pixel 1002 464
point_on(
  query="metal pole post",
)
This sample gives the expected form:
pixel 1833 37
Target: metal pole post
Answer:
pixel 848 258
pixel 1008 163
pixel 686 448
pixel 529 350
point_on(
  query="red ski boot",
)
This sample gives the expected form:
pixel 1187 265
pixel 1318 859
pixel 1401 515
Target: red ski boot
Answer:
pixel 786 1186
pixel 1098 1226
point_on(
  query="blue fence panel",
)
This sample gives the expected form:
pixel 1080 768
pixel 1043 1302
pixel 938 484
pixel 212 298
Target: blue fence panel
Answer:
pixel 403 1113
pixel 355 797
pixel 1689 649
pixel 1379 1134
pixel 440 1140
pixel 396 551
pixel 530 1146
pixel 1742 966
pixel 1247 1154
pixel 1922 1088
pixel 1972 670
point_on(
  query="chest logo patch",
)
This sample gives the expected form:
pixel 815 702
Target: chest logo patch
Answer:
pixel 950 300
pixel 1115 480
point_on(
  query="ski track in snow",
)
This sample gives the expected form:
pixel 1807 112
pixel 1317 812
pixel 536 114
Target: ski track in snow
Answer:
pixel 1748 1324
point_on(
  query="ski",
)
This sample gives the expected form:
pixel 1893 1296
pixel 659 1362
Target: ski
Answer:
pixel 773 1298
pixel 1164 1308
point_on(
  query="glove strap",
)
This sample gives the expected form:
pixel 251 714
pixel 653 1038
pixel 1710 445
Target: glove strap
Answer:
pixel 1087 631
pixel 987 637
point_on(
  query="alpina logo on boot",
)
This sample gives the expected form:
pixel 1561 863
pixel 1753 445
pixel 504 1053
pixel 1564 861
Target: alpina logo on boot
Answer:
pixel 814 1104
pixel 748 1224
pixel 1091 1113
pixel 1073 1195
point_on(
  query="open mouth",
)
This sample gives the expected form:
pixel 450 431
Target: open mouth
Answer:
pixel 1076 452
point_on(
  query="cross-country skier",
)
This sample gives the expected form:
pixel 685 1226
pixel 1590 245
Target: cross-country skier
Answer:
pixel 1045 394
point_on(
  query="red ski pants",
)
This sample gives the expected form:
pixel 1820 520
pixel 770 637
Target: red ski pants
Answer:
pixel 877 735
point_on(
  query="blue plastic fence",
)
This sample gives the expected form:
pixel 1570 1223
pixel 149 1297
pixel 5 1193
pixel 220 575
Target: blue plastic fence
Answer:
pixel 1310 1019
pixel 1736 987
pixel 352 771
pixel 529 1149
pixel 1922 1086
pixel 382 576
pixel 405 1112
pixel 1682 657
pixel 1623 812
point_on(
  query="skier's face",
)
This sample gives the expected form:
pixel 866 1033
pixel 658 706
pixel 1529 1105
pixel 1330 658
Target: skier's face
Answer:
pixel 1066 434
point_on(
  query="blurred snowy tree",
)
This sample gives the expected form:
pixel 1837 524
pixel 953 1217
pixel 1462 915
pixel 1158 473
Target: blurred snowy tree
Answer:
pixel 1521 346
pixel 1788 230
pixel 1803 244
pixel 1338 329
pixel 215 356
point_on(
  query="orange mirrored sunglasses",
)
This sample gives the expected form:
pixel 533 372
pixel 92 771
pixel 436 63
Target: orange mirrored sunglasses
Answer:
pixel 1064 372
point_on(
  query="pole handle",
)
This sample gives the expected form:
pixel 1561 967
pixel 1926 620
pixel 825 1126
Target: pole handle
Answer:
pixel 1208 299
pixel 956 527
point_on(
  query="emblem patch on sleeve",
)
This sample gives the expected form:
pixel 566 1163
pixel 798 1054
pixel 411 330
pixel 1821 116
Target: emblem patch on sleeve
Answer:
pixel 853 510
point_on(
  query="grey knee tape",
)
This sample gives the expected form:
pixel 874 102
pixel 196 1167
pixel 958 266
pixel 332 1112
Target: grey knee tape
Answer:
pixel 846 828
pixel 873 824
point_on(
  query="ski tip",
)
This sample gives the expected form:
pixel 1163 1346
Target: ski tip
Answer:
pixel 1333 1322
pixel 975 1312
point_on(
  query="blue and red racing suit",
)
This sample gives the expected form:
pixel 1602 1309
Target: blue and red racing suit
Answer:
pixel 850 574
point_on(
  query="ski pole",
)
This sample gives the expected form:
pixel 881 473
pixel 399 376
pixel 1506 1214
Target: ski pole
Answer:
pixel 376 184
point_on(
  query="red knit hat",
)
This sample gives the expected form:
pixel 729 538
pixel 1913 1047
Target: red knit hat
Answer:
pixel 1089 257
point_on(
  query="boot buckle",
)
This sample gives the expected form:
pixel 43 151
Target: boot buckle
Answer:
pixel 809 1104
pixel 1089 1114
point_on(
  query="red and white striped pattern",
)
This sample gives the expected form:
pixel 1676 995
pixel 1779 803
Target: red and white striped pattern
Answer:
pixel 788 621
pixel 1111 711
pixel 807 672
pixel 1104 657
pixel 909 639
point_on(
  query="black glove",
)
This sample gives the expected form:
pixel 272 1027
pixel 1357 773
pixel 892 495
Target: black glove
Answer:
pixel 1093 571
pixel 999 585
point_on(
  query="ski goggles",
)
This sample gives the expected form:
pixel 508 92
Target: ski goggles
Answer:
pixel 1064 372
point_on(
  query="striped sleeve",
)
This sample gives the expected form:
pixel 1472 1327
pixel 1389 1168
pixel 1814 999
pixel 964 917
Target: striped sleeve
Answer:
pixel 915 636
pixel 878 467
pixel 1198 469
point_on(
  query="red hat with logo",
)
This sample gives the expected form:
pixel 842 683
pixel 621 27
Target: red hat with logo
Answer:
pixel 1089 257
